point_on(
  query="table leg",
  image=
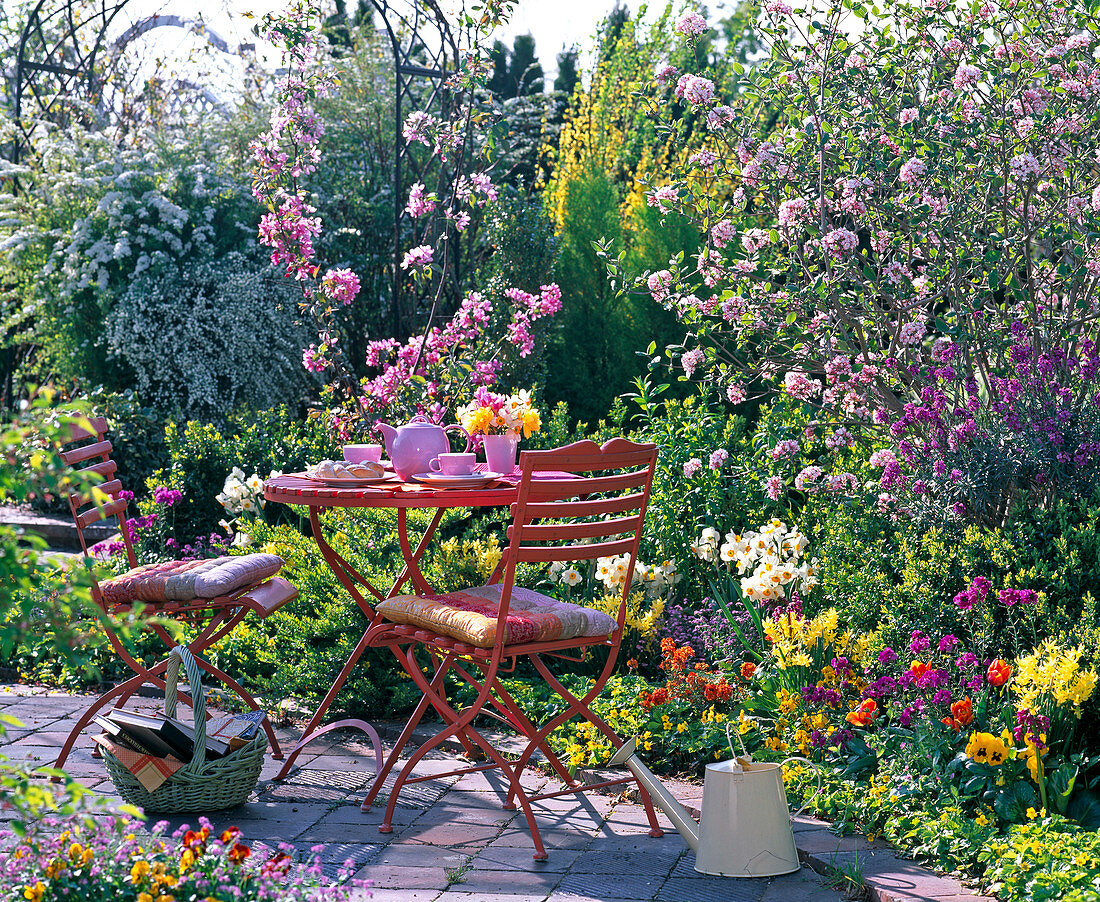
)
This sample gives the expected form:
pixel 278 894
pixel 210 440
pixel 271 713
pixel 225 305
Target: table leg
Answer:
pixel 351 580
pixel 309 735
pixel 411 570
pixel 347 575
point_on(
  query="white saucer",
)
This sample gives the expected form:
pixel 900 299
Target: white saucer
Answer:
pixel 470 481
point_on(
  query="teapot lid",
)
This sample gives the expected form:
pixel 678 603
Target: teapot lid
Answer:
pixel 421 420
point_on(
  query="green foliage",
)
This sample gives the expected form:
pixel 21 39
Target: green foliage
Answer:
pixel 680 506
pixel 40 599
pixel 896 577
pixel 200 456
pixel 1044 858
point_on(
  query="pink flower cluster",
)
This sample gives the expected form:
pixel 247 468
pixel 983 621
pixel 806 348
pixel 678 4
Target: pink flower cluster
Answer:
pixel 417 375
pixel 691 24
pixel 341 285
pixel 695 89
pixel 417 258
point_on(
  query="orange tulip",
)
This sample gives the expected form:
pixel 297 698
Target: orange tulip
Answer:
pixel 961 714
pixel 999 672
pixel 864 714
pixel 918 669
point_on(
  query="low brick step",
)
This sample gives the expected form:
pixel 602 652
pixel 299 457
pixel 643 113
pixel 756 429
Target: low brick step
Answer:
pixel 58 530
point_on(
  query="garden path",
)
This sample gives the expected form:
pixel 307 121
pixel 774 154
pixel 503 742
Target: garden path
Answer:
pixel 452 842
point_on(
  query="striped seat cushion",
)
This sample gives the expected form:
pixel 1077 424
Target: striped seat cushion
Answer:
pixel 190 580
pixel 470 616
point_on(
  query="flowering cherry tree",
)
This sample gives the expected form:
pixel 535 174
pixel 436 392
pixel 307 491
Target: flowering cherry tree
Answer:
pixel 901 223
pixel 429 372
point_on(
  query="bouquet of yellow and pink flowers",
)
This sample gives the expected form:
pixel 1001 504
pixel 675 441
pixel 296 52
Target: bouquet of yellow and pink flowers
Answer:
pixel 493 414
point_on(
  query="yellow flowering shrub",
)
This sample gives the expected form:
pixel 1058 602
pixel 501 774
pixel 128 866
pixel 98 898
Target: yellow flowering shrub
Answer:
pixel 460 563
pixel 643 615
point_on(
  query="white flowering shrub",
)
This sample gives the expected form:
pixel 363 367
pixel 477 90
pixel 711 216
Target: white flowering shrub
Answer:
pixel 92 216
pixel 203 338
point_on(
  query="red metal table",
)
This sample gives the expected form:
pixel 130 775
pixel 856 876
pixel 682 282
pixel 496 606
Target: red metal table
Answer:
pixel 401 497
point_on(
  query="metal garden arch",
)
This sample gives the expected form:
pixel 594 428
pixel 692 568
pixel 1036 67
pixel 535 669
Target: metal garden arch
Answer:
pixel 59 72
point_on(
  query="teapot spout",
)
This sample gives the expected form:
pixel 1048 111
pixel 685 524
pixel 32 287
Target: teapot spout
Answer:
pixel 388 435
pixel 681 819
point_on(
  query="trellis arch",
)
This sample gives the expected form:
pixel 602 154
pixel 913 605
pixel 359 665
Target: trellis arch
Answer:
pixel 58 74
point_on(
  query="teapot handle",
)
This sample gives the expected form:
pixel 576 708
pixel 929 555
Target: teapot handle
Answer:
pixel 465 434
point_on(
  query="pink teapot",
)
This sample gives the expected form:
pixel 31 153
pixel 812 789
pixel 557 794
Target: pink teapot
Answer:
pixel 412 447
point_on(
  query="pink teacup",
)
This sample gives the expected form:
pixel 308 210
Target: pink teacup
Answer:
pixel 453 464
pixel 358 454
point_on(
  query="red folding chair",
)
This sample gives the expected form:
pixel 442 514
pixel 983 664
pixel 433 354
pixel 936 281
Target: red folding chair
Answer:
pixel 207 619
pixel 473 633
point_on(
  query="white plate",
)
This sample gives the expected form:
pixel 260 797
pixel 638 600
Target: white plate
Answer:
pixel 471 481
pixel 350 481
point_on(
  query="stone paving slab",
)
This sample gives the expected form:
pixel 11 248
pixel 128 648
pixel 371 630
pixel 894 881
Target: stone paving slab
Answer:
pixel 451 841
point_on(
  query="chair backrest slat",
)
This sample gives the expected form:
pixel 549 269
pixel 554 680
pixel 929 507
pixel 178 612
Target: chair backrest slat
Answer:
pixel 95 514
pixel 596 507
pixel 558 488
pixel 86 452
pixel 111 488
pixel 105 468
pixel 541 554
pixel 80 434
pixel 93 451
pixel 569 532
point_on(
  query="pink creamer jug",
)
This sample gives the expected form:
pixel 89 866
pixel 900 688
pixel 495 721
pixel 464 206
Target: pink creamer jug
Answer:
pixel 412 447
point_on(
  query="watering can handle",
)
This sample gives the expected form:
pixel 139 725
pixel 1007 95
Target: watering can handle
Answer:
pixel 817 768
pixel 744 756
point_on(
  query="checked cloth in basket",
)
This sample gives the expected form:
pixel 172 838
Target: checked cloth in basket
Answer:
pixel 151 772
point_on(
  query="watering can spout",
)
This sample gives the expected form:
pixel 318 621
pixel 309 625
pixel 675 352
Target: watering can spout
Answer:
pixel 681 819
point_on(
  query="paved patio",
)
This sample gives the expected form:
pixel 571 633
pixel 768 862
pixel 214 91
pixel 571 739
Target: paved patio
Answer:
pixel 452 842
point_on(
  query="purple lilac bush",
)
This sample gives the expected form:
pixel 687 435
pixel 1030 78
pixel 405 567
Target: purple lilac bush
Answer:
pixel 901 231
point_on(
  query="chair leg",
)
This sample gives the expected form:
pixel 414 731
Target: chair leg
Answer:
pixel 523 725
pixel 125 689
pixel 581 706
pixel 457 724
pixel 406 733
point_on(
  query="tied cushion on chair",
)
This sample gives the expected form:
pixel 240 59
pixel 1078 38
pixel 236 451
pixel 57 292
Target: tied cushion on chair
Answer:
pixel 190 580
pixel 470 616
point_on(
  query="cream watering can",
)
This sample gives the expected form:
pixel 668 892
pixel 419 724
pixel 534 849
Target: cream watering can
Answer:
pixel 746 824
pixel 412 447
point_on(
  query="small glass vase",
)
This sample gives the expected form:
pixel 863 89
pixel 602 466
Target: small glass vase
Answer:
pixel 500 453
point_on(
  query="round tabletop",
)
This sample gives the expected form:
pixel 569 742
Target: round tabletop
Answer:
pixel 297 488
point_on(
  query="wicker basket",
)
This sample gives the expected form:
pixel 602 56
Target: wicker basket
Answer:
pixel 201 785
